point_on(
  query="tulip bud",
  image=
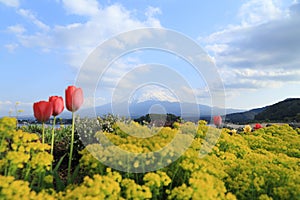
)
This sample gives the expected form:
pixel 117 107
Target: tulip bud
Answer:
pixel 257 126
pixel 74 98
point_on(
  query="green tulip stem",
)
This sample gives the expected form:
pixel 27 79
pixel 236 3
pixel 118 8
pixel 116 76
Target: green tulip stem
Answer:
pixel 43 133
pixel 71 148
pixel 52 137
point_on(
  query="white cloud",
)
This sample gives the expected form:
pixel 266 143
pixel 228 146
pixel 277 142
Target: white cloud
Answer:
pixel 16 29
pixel 200 94
pixel 254 79
pixel 257 11
pixel 11 3
pixel 82 7
pixel 11 47
pixel 262 53
pixel 92 101
pixel 30 16
pixel 77 40
pixel 39 40
pixel 151 12
pixel 117 71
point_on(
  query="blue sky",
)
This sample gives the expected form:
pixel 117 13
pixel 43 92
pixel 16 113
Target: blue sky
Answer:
pixel 254 44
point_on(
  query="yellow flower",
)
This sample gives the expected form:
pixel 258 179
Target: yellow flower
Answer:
pixel 136 164
pixel 19 189
pixel 247 129
pixel 135 191
pixel 41 161
pixel 17 158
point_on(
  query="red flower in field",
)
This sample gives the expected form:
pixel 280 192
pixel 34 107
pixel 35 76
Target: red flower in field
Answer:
pixel 257 126
pixel 58 104
pixel 42 110
pixel 74 98
pixel 217 120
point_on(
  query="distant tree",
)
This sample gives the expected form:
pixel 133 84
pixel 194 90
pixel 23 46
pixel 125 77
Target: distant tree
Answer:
pixel 158 120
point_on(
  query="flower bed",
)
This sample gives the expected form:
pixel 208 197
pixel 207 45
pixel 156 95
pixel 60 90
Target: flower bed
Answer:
pixel 262 164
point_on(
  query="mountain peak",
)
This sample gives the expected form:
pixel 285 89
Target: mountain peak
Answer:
pixel 152 93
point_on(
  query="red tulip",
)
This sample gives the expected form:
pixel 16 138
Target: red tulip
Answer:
pixel 217 120
pixel 42 110
pixel 257 126
pixel 74 98
pixel 58 104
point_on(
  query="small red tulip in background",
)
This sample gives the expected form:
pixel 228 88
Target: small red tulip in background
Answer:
pixel 74 98
pixel 217 121
pixel 42 111
pixel 58 104
pixel 257 126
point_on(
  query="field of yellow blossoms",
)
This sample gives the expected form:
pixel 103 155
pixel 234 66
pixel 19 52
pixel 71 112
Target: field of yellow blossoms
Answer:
pixel 259 164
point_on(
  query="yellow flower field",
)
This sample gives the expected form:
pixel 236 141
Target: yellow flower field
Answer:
pixel 257 164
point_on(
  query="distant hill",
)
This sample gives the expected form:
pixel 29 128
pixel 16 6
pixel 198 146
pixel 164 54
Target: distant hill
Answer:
pixel 287 110
pixel 243 117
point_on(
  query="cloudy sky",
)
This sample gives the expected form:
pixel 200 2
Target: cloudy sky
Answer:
pixel 254 46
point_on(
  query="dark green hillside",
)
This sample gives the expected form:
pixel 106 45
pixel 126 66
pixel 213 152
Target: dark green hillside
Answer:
pixel 287 110
pixel 243 117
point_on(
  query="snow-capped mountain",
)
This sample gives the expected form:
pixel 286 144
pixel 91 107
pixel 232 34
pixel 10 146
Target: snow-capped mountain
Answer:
pixel 158 100
pixel 152 93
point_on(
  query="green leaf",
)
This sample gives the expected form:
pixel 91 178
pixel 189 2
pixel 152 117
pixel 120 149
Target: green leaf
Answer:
pixel 75 173
pixel 59 163
pixel 60 186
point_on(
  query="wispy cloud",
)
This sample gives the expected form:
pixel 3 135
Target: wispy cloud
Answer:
pixel 16 29
pixel 11 3
pixel 11 47
pixel 30 16
pixel 76 40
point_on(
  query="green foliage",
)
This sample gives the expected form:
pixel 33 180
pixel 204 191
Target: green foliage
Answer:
pixel 61 140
